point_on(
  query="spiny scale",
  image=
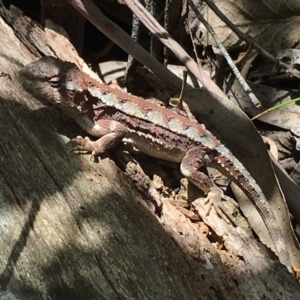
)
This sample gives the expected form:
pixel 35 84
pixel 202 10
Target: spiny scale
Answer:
pixel 158 131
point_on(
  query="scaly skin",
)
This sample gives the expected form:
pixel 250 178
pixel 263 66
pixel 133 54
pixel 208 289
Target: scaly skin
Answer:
pixel 115 116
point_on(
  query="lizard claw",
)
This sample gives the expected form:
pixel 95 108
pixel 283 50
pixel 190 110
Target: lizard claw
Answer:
pixel 229 199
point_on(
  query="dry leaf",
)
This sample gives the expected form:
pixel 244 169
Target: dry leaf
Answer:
pixel 273 24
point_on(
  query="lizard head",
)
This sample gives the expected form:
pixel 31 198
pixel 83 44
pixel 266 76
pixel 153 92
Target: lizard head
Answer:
pixel 50 79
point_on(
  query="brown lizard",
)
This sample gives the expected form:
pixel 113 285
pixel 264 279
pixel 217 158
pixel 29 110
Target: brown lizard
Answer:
pixel 115 116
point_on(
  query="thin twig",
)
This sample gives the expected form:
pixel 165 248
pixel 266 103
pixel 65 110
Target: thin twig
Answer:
pixel 194 49
pixel 231 64
pixel 244 37
pixel 135 32
pixel 166 26
pixel 91 12
pixel 155 28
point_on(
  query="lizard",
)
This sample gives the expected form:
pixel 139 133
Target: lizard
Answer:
pixel 114 116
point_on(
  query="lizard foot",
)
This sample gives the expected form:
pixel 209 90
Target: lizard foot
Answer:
pixel 83 146
pixel 95 148
pixel 214 199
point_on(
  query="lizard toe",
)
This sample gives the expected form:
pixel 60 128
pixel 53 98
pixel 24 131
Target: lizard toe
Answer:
pixel 214 199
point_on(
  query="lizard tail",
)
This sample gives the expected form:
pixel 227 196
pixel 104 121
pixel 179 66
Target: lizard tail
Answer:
pixel 232 168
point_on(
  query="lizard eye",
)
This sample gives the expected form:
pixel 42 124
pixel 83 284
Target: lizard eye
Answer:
pixel 54 82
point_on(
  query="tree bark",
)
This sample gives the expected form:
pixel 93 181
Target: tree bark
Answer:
pixel 74 229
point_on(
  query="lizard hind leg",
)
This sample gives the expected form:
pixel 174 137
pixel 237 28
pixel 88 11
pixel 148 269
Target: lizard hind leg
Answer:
pixel 191 162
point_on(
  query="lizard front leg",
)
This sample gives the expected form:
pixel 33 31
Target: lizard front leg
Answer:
pixel 190 165
pixel 110 132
